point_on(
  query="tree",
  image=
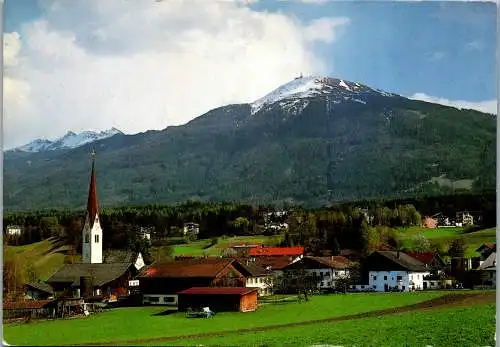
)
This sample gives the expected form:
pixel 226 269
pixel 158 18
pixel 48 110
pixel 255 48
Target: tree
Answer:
pixel 335 246
pixel 12 277
pixel 299 281
pixel 457 248
pixel 420 243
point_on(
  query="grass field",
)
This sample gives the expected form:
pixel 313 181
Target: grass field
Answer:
pixel 444 327
pixel 199 247
pixel 45 256
pixel 446 235
pixel 146 322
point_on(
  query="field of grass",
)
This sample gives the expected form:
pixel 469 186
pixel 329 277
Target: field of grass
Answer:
pixel 444 327
pixel 146 322
pixel 199 247
pixel 446 235
pixel 45 256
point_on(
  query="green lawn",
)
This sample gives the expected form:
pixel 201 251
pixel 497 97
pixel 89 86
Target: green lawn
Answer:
pixel 446 327
pixel 446 235
pixel 134 323
pixel 199 247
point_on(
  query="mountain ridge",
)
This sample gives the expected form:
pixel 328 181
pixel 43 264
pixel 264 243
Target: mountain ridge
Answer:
pixel 329 148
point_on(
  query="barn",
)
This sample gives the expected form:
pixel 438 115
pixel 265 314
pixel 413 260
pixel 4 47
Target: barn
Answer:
pixel 219 299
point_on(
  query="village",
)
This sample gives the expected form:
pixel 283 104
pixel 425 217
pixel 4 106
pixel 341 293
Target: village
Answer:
pixel 238 279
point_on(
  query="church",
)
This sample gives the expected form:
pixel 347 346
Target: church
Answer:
pixel 106 274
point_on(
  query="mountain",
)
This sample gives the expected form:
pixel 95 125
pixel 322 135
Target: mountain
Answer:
pixel 312 141
pixel 69 140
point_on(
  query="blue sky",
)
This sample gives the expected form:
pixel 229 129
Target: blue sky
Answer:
pixel 442 52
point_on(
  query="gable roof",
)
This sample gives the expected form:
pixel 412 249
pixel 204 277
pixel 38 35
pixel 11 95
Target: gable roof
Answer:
pixel 218 291
pixel 119 256
pixel 41 286
pixel 426 257
pixel 197 267
pixel 402 260
pixel 101 273
pixel 92 203
pixel 275 251
pixel 26 305
pixel 334 262
pixel 490 263
pixel 249 269
pixel 273 262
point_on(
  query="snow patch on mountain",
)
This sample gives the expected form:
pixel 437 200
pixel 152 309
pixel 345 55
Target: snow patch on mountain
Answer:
pixel 69 140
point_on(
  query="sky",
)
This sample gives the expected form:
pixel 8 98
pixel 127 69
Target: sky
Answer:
pixel 147 64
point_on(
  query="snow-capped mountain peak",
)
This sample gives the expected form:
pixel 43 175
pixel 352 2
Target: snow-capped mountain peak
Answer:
pixel 69 140
pixel 294 94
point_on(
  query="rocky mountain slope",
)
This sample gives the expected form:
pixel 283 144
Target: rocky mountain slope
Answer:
pixel 313 141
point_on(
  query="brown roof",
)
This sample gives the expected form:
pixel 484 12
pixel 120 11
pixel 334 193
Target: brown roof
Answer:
pixel 198 267
pixel 404 260
pixel 218 291
pixel 26 305
pixel 249 269
pixel 335 262
pixel 92 199
pixel 273 262
pixel 41 286
pixel 101 273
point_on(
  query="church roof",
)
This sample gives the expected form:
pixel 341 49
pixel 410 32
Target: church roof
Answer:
pixel 101 274
pixel 92 203
pixel 119 256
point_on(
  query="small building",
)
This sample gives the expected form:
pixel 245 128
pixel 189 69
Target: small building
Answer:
pixel 465 218
pixel 239 299
pixel 29 309
pixel 394 270
pixel 326 269
pixel 488 271
pixel 486 249
pixel 38 291
pixel 430 223
pixel 14 230
pixel 432 260
pixel 191 228
pixel 274 264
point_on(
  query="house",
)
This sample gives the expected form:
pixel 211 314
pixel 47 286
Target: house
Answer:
pixel 107 280
pixel 430 223
pixel 274 264
pixel 326 269
pixel 145 233
pixel 486 249
pixel 14 230
pixel 431 259
pixel 394 270
pixel 256 276
pixel 276 251
pixel 488 270
pixel 219 299
pixel 465 218
pixel 160 283
pixel 38 291
pixel 191 228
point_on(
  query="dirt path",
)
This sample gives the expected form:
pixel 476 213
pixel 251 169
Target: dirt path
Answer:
pixel 450 300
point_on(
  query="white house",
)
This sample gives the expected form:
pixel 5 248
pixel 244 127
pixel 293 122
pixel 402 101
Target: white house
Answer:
pixel 191 228
pixel 488 270
pixel 14 230
pixel 256 276
pixel 393 270
pixel 326 269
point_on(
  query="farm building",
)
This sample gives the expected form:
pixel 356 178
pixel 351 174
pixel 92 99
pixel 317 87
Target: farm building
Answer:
pixel 38 291
pixel 430 223
pixel 29 309
pixel 219 299
pixel 325 269
pixel 256 276
pixel 107 280
pixel 431 259
pixel 275 264
pixel 488 271
pixel 486 249
pixel 393 270
pixel 161 282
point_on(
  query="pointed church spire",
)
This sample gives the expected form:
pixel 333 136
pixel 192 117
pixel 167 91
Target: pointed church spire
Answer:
pixel 92 200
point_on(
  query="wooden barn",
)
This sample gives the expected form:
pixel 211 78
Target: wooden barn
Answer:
pixel 29 309
pixel 161 282
pixel 219 299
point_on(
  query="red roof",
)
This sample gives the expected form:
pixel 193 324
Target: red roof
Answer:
pixel 26 305
pixel 271 251
pixel 92 200
pixel 218 291
pixel 424 257
pixel 198 267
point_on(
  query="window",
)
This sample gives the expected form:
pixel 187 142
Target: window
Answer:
pixel 336 273
pixel 154 299
pixel 399 278
pixel 168 299
pixel 96 238
pixel 374 278
pixel 385 278
pixel 362 287
pixel 87 238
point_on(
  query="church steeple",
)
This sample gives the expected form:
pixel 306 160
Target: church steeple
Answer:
pixel 92 232
pixel 92 199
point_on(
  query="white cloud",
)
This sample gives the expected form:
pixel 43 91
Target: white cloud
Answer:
pixel 475 45
pixel 141 65
pixel 488 106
